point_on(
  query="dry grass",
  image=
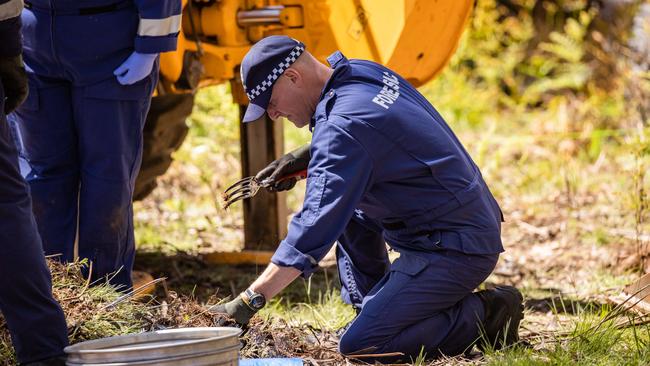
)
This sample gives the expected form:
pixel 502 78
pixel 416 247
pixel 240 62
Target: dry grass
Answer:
pixel 92 312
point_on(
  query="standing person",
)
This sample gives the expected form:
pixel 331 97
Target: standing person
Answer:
pixel 35 320
pixel 92 68
pixel 383 167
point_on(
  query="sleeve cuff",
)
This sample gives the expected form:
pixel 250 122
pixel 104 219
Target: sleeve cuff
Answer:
pixel 288 256
pixel 144 44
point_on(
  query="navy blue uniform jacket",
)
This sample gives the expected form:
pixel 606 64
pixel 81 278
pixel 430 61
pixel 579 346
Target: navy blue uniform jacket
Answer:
pixel 379 149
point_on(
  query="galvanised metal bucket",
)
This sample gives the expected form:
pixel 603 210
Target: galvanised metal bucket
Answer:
pixel 181 346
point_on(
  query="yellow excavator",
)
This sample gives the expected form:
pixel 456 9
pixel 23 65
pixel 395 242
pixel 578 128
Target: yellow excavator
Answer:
pixel 416 38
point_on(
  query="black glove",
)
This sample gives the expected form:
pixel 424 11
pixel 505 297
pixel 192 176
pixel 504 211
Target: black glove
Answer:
pixel 236 309
pixel 14 81
pixel 291 162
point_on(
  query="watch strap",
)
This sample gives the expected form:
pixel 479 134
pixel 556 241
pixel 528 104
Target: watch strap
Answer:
pixel 247 295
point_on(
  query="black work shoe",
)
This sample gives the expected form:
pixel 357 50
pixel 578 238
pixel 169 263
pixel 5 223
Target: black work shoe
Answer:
pixel 504 310
pixel 54 361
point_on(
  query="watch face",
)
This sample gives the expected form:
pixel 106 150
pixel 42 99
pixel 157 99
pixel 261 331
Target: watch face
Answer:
pixel 257 301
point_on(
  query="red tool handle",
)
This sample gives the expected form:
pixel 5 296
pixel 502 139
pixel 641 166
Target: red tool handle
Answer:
pixel 299 175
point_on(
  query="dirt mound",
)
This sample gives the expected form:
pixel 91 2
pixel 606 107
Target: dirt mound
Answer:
pixel 99 311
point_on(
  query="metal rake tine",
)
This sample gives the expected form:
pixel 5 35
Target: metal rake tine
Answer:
pixel 244 182
pixel 241 182
pixel 239 197
pixel 246 192
pixel 243 192
pixel 242 188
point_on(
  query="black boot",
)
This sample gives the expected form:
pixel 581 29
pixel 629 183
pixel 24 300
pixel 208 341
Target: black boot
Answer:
pixel 54 361
pixel 504 310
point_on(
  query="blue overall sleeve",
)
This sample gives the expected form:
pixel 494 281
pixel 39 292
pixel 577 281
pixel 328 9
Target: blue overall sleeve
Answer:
pixel 10 44
pixel 338 175
pixel 160 22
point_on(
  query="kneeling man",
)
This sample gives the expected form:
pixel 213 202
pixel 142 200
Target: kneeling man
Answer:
pixel 383 167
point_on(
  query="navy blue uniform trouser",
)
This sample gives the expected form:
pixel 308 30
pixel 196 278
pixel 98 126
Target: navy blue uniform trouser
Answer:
pixel 80 133
pixel 35 320
pixel 422 302
pixel 84 150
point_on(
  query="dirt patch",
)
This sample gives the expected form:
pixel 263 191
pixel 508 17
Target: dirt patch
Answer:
pixel 96 312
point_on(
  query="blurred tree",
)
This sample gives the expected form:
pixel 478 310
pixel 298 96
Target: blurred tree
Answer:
pixel 607 35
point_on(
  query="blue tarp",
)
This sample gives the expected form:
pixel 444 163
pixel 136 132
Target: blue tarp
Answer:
pixel 271 362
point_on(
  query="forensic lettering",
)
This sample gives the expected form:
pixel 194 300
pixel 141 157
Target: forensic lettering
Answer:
pixel 389 92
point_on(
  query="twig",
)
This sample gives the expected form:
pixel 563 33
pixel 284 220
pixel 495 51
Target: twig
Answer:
pixel 132 293
pixel 83 290
pixel 371 355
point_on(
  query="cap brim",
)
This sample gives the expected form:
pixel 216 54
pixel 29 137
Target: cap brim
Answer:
pixel 253 113
pixel 257 107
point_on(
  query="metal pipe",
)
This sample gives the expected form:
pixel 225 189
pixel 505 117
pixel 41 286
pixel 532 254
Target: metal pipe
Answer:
pixel 262 16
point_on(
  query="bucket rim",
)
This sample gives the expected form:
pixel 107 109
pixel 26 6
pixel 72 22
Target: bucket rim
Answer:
pixel 82 347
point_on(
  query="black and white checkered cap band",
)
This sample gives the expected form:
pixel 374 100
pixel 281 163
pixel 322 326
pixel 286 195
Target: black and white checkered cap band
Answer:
pixel 276 72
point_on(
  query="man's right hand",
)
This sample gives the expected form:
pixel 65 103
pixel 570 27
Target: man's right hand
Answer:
pixel 14 81
pixel 236 309
pixel 291 162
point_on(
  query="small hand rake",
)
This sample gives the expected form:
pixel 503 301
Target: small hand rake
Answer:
pixel 249 186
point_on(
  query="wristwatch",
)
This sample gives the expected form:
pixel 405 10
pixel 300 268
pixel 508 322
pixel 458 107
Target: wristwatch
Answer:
pixel 253 299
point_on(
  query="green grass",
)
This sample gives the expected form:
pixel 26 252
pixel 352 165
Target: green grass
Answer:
pixel 91 312
pixel 326 312
pixel 586 344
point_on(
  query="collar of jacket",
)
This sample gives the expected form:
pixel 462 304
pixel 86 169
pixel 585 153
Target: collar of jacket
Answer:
pixel 339 63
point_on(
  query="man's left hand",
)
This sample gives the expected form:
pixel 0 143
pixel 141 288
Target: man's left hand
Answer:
pixel 236 309
pixel 14 81
pixel 135 68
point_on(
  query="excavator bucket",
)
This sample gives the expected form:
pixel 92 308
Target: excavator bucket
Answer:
pixel 416 38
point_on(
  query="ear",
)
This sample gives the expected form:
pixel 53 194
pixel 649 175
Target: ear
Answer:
pixel 292 74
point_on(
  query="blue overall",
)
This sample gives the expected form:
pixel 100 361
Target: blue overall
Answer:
pixel 80 131
pixel 386 168
pixel 35 320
